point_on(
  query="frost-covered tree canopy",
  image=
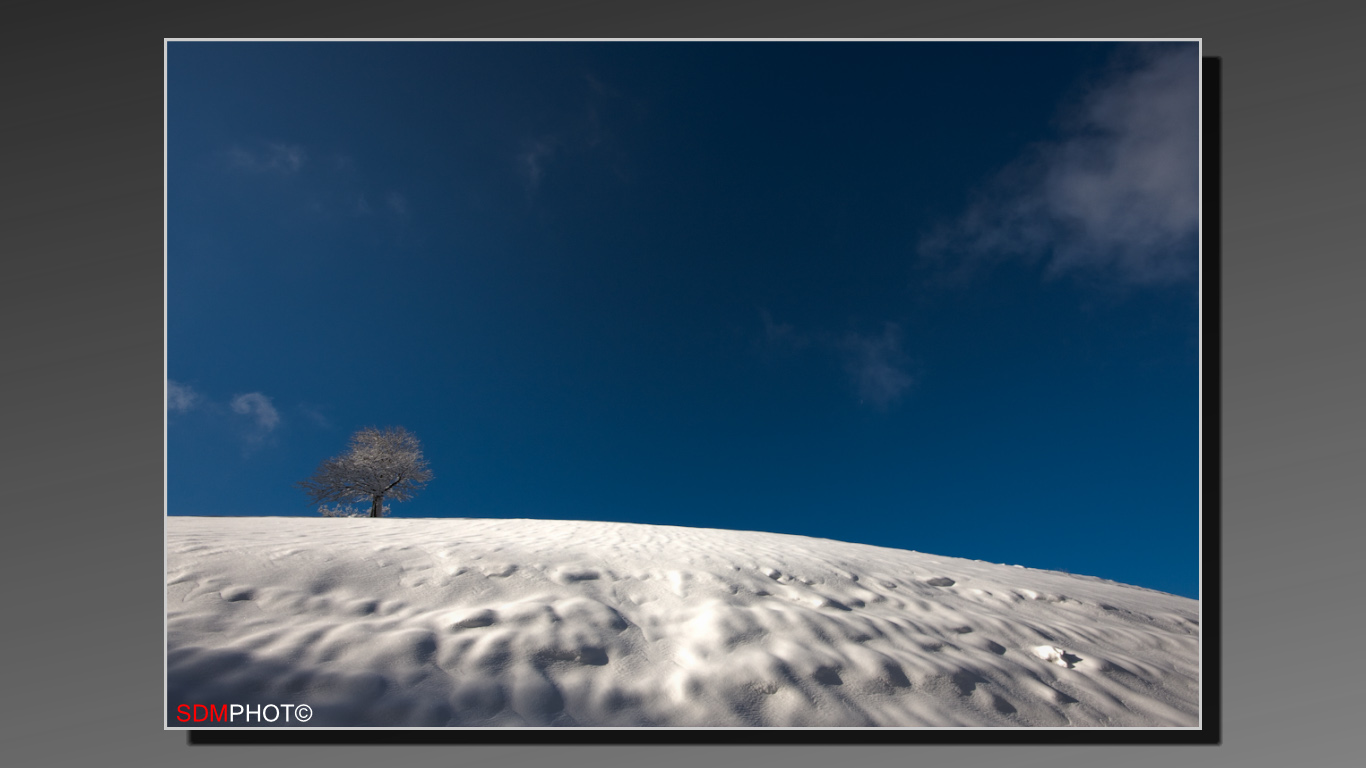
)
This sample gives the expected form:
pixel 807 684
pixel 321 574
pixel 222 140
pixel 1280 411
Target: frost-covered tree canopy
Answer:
pixel 381 464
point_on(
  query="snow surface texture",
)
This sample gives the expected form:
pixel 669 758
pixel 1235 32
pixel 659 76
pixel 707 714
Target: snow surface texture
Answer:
pixel 453 622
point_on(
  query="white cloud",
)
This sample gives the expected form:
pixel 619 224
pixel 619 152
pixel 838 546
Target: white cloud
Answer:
pixel 532 161
pixel 259 407
pixel 274 158
pixel 398 204
pixel 1119 193
pixel 179 397
pixel 588 134
pixel 781 336
pixel 876 366
pixel 316 416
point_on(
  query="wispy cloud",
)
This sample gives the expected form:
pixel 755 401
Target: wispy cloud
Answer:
pixel 600 87
pixel 273 158
pixel 180 397
pixel 781 336
pixel 1119 193
pixel 877 366
pixel 590 136
pixel 533 159
pixel 316 416
pixel 328 189
pixel 259 408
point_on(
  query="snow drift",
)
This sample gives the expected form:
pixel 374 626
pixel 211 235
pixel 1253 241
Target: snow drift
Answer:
pixel 487 623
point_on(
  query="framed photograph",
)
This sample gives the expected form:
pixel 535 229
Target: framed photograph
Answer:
pixel 781 391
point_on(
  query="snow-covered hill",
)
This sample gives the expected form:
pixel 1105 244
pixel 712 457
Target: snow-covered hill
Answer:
pixel 454 622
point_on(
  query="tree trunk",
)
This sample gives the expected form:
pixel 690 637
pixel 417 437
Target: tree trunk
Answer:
pixel 376 506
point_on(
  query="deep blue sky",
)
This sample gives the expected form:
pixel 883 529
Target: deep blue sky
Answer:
pixel 933 296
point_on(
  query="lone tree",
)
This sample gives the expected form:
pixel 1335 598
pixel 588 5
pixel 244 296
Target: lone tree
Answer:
pixel 380 463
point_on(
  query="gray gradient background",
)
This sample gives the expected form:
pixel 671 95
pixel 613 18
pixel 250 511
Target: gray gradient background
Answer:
pixel 81 171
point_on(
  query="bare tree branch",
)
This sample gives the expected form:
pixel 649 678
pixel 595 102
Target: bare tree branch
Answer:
pixel 380 464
